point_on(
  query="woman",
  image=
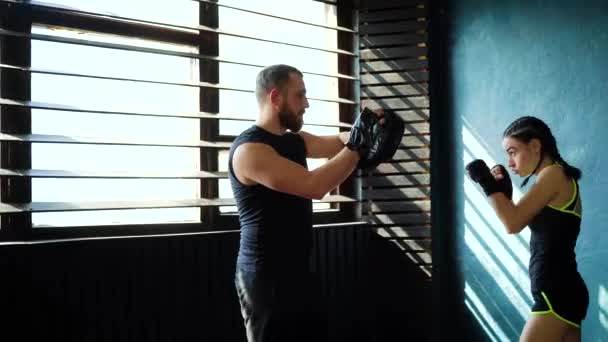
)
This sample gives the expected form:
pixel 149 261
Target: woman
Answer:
pixel 552 209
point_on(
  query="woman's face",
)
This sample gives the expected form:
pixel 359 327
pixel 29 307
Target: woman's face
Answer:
pixel 522 157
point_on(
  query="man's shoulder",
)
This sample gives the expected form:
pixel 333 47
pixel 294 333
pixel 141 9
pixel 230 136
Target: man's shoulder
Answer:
pixel 252 130
pixel 251 134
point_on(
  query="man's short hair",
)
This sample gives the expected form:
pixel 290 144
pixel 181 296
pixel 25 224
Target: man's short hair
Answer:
pixel 273 76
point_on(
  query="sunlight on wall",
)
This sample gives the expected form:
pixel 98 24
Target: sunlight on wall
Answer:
pixel 603 306
pixel 481 314
pixel 510 284
pixel 475 150
pixel 480 215
pixel 503 257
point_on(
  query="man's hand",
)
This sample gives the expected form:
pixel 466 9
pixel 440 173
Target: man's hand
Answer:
pixel 344 137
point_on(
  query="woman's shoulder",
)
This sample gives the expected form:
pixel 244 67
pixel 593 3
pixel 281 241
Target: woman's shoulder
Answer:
pixel 554 176
pixel 553 173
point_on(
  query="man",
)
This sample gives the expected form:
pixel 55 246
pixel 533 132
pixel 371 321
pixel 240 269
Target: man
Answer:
pixel 279 297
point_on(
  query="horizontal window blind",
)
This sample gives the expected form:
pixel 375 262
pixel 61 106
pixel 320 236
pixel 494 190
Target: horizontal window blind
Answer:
pixel 122 113
pixel 394 74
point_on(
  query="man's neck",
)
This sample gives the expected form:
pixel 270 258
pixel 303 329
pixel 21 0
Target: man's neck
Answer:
pixel 270 122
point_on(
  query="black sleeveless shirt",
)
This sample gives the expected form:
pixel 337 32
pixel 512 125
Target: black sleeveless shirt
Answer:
pixel 552 241
pixel 276 228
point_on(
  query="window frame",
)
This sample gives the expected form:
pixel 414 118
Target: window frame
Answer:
pixel 16 85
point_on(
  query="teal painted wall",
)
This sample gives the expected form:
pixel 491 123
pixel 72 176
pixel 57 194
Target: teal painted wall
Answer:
pixel 548 59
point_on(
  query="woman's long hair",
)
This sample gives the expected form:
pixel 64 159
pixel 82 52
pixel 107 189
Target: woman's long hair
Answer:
pixel 527 128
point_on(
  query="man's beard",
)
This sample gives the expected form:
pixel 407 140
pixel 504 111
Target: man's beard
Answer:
pixel 290 120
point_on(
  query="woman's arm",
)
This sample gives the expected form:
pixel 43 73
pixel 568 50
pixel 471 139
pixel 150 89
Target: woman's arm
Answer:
pixel 516 216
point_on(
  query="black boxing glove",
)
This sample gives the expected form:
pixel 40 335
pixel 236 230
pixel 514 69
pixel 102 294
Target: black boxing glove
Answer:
pixel 505 183
pixel 361 133
pixel 480 173
pixel 375 143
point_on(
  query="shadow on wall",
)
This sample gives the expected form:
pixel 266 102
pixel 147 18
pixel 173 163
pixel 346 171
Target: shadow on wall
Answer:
pixel 400 294
pixel 496 278
pixel 398 280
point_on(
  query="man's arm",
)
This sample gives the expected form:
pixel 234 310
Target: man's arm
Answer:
pixel 323 146
pixel 255 163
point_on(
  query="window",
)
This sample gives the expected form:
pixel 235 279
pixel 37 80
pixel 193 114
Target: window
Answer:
pixel 120 95
pixel 303 52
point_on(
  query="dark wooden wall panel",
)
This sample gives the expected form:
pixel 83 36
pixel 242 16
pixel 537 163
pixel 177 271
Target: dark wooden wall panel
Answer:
pixel 167 288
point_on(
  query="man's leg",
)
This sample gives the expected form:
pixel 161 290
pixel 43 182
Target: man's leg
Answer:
pixel 259 307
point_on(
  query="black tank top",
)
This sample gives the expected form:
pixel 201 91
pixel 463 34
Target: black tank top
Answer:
pixel 552 241
pixel 276 228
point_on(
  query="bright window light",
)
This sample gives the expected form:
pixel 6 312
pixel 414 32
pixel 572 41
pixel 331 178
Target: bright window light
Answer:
pixel 244 104
pixel 101 94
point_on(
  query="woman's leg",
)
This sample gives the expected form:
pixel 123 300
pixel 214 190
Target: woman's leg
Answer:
pixel 548 328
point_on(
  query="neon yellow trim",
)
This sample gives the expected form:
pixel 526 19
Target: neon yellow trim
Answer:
pixel 569 212
pixel 541 312
pixel 573 195
pixel 569 202
pixel 554 313
pixel 562 209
